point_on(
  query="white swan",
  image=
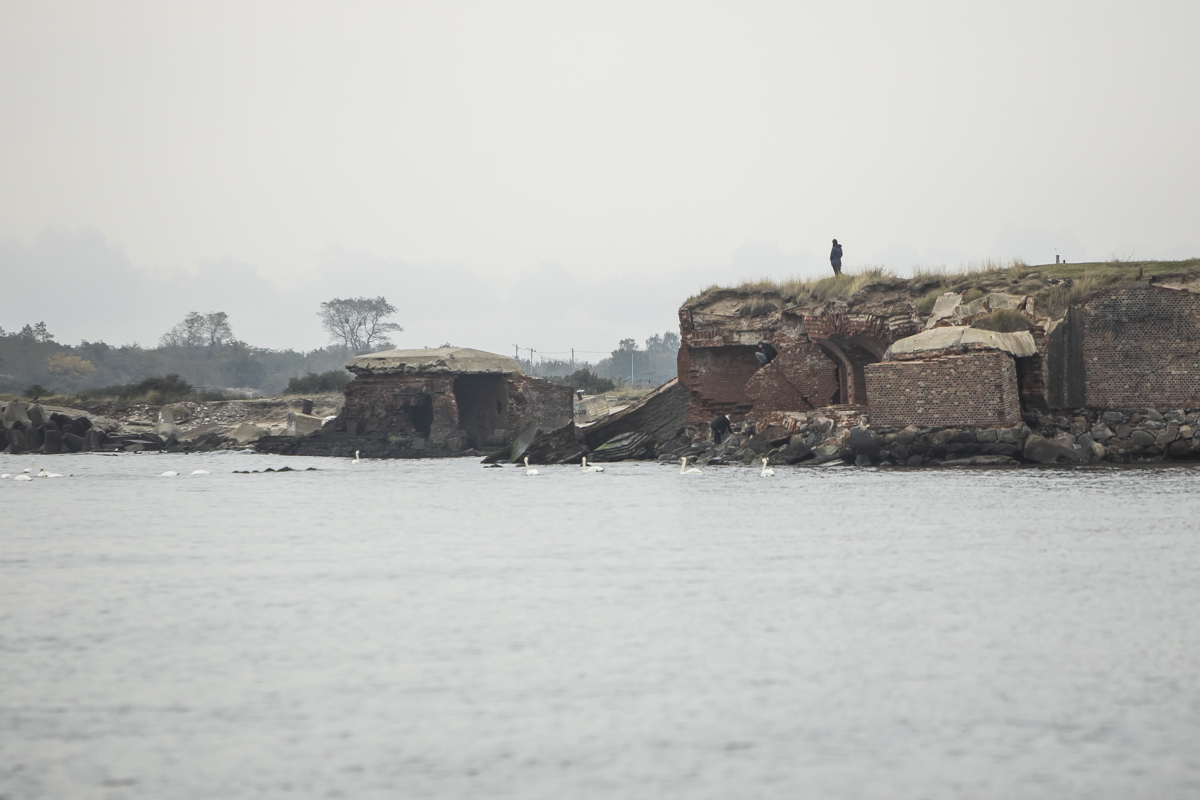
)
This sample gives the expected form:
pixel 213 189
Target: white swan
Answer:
pixel 23 477
pixel 528 469
pixel 30 468
pixel 592 468
pixel 767 472
pixel 356 459
pixel 169 474
pixel 683 468
pixel 44 474
pixel 5 476
pixel 201 472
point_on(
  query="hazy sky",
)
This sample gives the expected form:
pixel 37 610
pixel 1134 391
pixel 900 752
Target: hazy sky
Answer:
pixel 565 174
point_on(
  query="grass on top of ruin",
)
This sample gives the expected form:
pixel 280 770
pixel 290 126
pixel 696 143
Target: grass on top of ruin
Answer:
pixel 1054 286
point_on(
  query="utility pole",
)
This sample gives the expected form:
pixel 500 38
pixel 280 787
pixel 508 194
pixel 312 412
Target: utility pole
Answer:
pixel 572 359
pixel 531 369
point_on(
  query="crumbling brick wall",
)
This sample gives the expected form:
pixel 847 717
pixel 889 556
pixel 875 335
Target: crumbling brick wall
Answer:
pixel 716 380
pixel 1141 348
pixel 551 405
pixel 973 390
pixel 387 404
pixel 801 378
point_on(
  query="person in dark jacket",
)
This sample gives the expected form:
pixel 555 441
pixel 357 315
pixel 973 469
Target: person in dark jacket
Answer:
pixel 835 258
pixel 766 352
pixel 720 428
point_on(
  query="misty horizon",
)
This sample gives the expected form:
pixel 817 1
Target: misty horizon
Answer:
pixel 560 178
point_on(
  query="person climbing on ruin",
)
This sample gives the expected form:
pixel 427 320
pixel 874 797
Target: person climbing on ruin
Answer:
pixel 766 353
pixel 835 258
pixel 720 428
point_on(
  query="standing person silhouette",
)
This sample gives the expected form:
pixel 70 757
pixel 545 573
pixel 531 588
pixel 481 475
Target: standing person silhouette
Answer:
pixel 835 258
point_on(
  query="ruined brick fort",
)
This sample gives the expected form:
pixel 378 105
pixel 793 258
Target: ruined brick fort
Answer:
pixel 874 361
pixel 990 370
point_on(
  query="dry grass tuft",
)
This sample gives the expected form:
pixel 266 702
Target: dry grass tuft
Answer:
pixel 1054 300
pixel 1003 320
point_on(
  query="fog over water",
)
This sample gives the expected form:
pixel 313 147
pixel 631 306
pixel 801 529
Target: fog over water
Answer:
pixel 437 629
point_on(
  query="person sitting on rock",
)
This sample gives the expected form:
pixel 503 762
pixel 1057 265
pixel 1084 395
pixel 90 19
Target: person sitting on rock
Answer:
pixel 720 428
pixel 766 352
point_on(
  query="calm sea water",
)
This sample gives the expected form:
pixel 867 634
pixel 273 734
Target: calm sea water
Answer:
pixel 413 629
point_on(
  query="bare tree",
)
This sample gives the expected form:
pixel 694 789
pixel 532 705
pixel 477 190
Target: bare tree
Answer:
pixel 357 323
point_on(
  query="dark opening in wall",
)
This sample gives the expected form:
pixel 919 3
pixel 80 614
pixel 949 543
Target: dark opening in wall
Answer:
pixel 420 414
pixel 481 402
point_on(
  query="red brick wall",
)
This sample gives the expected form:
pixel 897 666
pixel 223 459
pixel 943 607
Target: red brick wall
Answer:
pixel 376 404
pixel 801 370
pixel 550 404
pixel 976 390
pixel 716 377
pixel 1141 348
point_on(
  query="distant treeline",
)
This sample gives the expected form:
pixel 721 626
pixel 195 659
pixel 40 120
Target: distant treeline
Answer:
pixel 31 357
pixel 202 353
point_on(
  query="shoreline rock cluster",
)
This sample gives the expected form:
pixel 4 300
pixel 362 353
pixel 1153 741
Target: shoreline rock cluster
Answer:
pixel 1117 436
pixel 179 428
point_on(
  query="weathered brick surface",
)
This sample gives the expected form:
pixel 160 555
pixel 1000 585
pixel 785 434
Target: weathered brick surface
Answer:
pixel 450 412
pixel 1141 348
pixel 802 377
pixel 716 378
pixel 974 390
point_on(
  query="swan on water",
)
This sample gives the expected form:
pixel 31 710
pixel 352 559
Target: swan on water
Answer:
pixel 169 474
pixel 528 469
pixel 356 459
pixel 767 472
pixel 683 470
pixel 23 477
pixel 5 476
pixel 44 474
pixel 201 472
pixel 592 468
pixel 30 468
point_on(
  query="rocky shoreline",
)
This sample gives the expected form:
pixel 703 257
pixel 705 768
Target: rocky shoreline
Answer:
pixel 182 427
pixel 1114 436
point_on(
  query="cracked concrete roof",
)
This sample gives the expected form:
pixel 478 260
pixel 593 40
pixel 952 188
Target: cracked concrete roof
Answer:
pixel 446 360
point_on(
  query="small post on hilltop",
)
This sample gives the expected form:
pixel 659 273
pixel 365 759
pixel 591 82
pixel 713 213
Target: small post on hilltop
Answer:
pixel 531 369
pixel 572 359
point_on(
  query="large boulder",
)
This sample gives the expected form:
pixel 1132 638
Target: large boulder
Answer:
pixel 1142 438
pixel 14 411
pixel 861 442
pixel 1044 451
pixel 52 443
pixel 299 424
pixel 248 432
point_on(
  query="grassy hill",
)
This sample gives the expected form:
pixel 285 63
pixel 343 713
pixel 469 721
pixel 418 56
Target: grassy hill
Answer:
pixel 1053 286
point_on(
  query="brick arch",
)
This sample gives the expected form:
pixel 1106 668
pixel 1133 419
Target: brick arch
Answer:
pixel 845 368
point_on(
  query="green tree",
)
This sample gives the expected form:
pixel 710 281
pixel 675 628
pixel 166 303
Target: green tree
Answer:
pixel 36 333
